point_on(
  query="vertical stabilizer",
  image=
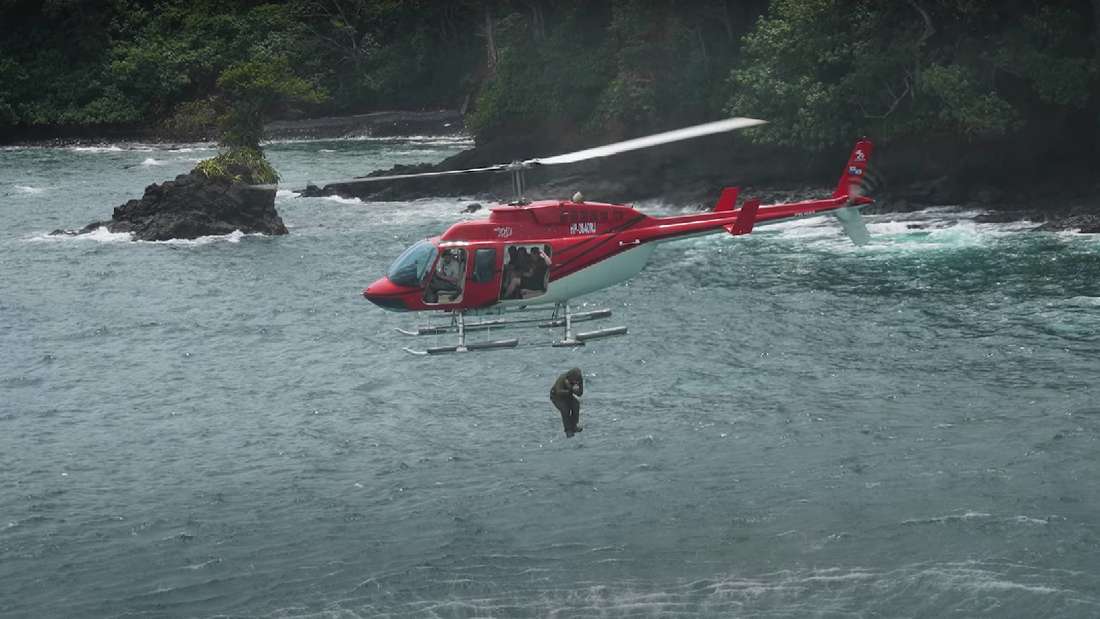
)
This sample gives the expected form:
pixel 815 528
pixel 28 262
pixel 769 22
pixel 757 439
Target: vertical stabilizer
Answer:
pixel 727 200
pixel 851 179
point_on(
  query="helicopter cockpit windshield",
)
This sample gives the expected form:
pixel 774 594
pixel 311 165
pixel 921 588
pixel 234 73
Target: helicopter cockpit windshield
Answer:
pixel 410 266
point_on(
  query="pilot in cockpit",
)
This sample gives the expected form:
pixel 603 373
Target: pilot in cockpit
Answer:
pixel 446 284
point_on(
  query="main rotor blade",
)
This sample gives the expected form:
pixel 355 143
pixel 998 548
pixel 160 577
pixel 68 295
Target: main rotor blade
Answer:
pixel 389 177
pixel 675 135
pixel 718 126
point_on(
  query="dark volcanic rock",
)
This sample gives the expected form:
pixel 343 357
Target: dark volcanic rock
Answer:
pixel 1084 223
pixel 682 173
pixel 192 206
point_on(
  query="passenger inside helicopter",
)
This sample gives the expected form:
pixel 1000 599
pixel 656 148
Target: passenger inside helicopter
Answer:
pixel 526 271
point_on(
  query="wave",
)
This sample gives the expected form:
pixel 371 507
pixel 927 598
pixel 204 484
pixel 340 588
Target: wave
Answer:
pixel 109 148
pixel 923 589
pixel 140 147
pixel 29 189
pixel 103 235
pixel 99 235
pixel 343 200
pixel 233 237
pixel 929 230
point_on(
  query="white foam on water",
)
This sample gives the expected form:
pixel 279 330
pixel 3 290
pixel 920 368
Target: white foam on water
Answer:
pixel 974 577
pixel 1084 301
pixel 286 193
pixel 889 227
pixel 103 235
pixel 343 200
pixel 419 152
pixel 108 148
pixel 965 516
pixel 149 161
pixel 1074 237
pixel 99 235
pixel 233 237
pixel 29 189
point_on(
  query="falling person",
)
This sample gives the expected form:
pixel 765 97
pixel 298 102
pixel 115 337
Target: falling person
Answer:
pixel 565 395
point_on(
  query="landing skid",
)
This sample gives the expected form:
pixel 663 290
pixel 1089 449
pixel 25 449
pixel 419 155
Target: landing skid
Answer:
pixel 440 350
pixel 580 338
pixel 505 322
pixel 561 317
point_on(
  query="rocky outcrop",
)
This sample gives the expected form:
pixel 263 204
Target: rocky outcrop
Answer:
pixel 193 205
pixel 1084 223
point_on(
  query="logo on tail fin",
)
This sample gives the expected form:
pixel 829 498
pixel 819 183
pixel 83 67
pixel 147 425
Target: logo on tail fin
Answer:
pixel 852 176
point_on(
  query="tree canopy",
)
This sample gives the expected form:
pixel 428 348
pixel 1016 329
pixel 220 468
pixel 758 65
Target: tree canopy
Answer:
pixel 570 71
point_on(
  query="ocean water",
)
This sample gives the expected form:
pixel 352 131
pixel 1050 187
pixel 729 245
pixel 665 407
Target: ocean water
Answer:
pixel 794 427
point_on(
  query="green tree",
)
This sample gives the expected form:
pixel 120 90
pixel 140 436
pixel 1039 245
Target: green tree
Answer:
pixel 824 70
pixel 253 91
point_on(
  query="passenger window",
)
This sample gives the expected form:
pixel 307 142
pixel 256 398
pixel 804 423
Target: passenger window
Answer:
pixel 526 271
pixel 484 261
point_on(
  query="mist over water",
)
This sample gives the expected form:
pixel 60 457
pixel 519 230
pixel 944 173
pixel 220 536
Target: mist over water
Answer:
pixel 794 426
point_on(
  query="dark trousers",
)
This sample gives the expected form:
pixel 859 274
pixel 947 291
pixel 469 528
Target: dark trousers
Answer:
pixel 570 409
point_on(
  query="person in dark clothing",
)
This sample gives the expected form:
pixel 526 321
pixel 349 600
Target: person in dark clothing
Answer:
pixel 567 388
pixel 533 280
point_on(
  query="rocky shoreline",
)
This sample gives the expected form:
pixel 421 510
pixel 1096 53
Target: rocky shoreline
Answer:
pixel 1066 197
pixel 193 206
pixel 694 174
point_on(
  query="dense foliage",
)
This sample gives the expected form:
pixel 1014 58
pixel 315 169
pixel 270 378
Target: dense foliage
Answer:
pixel 175 66
pixel 242 164
pixel 896 69
pixel 1021 72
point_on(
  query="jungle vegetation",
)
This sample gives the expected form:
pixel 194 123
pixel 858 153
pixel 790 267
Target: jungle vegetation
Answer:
pixel 1020 77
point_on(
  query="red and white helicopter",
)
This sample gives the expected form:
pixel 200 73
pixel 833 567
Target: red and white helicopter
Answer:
pixel 543 254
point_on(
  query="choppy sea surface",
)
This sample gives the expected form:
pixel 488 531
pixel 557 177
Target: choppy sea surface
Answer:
pixel 793 427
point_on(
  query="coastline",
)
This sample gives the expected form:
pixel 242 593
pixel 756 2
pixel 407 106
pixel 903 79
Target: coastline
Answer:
pixel 687 174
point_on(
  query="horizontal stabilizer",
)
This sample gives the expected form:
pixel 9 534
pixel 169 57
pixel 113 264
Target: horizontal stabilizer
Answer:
pixel 727 200
pixel 746 217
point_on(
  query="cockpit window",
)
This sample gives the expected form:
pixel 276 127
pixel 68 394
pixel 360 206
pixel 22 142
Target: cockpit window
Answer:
pixel 410 266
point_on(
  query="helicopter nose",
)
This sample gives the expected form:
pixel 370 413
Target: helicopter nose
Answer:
pixel 387 295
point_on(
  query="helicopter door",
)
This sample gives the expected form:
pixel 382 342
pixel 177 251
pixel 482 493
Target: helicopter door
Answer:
pixel 483 281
